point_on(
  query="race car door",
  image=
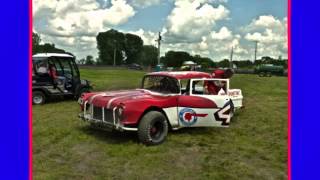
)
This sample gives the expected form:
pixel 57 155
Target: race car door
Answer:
pixel 205 104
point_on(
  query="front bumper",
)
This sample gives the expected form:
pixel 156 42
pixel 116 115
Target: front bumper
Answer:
pixel 104 118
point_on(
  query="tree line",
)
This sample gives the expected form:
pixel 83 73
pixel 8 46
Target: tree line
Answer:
pixel 117 48
pixel 248 64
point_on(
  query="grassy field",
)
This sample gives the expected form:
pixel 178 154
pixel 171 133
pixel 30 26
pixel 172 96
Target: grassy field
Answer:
pixel 254 147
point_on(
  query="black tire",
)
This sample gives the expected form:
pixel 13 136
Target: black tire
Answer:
pixel 269 74
pixel 38 98
pixel 153 128
pixel 231 108
pixel 261 74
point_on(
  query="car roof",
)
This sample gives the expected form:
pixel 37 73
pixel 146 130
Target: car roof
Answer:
pixel 181 74
pixel 52 55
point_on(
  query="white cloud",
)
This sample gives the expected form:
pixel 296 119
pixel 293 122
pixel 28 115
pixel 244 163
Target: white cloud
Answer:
pixel 80 46
pixel 265 21
pixel 88 39
pixel 148 37
pixel 216 44
pixel 224 33
pixel 144 3
pixel 203 45
pixel 218 1
pixel 190 20
pixel 86 17
pixel 216 47
pixel 271 33
pixel 73 23
pixel 203 1
pixel 190 26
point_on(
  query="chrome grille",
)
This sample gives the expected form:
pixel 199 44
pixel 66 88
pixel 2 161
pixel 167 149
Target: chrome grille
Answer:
pixel 108 116
pixel 97 114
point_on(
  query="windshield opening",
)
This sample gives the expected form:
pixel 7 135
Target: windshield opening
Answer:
pixel 161 84
pixel 40 65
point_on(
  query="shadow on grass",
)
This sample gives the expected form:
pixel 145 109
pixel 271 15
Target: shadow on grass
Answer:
pixel 110 136
pixel 116 137
pixel 61 98
pixel 196 130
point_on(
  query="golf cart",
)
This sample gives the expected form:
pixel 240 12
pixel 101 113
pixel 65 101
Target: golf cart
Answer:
pixel 55 75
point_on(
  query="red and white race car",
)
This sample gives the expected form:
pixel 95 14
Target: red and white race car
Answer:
pixel 166 100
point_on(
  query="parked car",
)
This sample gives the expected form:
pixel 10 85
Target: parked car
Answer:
pixel 165 100
pixel 55 75
pixel 135 66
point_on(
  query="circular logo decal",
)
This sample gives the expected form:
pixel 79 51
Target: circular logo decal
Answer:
pixel 187 117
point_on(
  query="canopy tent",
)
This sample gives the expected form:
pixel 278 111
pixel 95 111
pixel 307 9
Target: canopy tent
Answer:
pixel 189 63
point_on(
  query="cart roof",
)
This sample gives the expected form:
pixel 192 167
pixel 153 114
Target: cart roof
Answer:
pixel 52 55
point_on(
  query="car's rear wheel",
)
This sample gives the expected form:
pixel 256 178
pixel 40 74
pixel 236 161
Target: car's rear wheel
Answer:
pixel 38 97
pixel 153 128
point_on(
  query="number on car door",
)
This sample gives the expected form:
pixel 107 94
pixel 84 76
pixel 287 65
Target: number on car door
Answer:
pixel 206 104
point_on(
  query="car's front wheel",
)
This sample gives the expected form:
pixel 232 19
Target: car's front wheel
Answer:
pixel 38 97
pixel 153 128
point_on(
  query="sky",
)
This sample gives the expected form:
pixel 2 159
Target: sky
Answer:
pixel 209 28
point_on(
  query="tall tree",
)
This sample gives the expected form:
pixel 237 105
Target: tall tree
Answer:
pixel 176 58
pixel 149 55
pixel 89 60
pixel 133 47
pixel 81 61
pixel 224 63
pixel 205 62
pixel 35 42
pixel 115 45
pixel 110 45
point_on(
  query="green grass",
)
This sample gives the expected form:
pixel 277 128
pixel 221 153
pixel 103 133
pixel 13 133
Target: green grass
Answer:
pixel 112 79
pixel 253 147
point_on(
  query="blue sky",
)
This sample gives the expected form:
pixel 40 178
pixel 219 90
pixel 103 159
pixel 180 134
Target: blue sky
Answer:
pixel 241 12
pixel 206 27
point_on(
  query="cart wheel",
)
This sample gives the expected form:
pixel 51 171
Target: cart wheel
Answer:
pixel 38 97
pixel 261 74
pixel 153 128
pixel 269 74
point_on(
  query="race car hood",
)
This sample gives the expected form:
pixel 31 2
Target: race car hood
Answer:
pixel 111 99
